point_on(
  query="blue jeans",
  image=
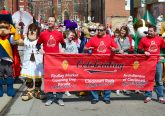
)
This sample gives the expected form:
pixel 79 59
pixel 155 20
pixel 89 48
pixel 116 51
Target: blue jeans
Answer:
pixel 95 95
pixel 58 95
pixel 159 82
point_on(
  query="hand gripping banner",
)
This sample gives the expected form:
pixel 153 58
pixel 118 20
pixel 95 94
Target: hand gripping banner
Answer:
pixel 75 72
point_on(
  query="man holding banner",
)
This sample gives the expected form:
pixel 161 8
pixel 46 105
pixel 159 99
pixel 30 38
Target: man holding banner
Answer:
pixel 150 45
pixel 50 39
pixel 101 44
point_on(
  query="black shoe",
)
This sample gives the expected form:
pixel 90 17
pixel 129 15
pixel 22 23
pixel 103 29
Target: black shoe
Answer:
pixel 17 80
pixel 94 101
pixel 107 101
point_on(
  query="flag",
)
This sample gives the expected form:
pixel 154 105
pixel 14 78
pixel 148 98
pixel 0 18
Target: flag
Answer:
pixel 149 18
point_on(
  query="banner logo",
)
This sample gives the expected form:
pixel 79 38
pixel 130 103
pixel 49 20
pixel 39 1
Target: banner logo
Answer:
pixel 65 64
pixel 136 65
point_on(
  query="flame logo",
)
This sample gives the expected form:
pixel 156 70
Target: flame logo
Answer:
pixel 65 64
pixel 136 65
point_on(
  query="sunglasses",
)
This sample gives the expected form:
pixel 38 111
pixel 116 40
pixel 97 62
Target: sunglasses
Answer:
pixel 101 30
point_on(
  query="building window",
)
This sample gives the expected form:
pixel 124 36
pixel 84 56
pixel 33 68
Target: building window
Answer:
pixel 75 1
pixel 59 1
pixel 127 4
pixel 75 17
pixel 21 8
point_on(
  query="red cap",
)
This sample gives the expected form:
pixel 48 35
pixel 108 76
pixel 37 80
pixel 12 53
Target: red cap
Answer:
pixel 4 12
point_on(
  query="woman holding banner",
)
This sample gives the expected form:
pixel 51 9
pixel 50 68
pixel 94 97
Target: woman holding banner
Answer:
pixel 124 45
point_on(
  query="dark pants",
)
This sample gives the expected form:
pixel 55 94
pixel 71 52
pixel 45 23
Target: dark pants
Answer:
pixel 6 68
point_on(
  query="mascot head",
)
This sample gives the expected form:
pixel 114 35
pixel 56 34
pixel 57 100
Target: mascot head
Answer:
pixel 130 26
pixel 162 29
pixel 70 25
pixel 4 28
pixel 163 35
pixel 33 32
pixel 141 27
pixel 5 23
pixel 92 28
pixel 160 19
pixel 160 25
pixel 130 20
pixel 22 20
pixel 89 29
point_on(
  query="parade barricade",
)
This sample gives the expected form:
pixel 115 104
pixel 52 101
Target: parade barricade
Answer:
pixel 75 72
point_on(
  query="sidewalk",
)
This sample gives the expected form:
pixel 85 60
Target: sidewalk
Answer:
pixel 5 100
pixel 123 105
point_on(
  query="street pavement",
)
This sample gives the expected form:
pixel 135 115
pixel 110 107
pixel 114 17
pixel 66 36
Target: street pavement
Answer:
pixel 122 105
pixel 6 100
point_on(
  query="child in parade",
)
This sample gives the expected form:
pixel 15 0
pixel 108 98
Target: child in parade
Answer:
pixel 71 46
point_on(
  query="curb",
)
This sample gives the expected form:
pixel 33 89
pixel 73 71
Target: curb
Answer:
pixel 6 102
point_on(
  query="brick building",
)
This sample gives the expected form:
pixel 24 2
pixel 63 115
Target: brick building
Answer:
pixel 155 7
pixel 97 10
pixel 114 12
pixel 61 9
pixel 15 5
pixel 70 9
pixel 1 4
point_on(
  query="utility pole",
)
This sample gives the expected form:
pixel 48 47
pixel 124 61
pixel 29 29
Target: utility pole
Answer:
pixel 17 5
pixel 132 8
pixel 87 11
pixel 12 6
pixel 103 12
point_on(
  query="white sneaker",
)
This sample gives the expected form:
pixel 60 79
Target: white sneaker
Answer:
pixel 49 102
pixel 147 99
pixel 161 100
pixel 68 94
pixel 118 92
pixel 137 91
pixel 60 102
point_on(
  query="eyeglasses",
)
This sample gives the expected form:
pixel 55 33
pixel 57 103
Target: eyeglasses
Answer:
pixel 101 30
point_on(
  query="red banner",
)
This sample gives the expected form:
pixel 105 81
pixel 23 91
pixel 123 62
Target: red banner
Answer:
pixel 69 72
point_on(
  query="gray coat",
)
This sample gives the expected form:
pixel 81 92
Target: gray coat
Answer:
pixel 123 45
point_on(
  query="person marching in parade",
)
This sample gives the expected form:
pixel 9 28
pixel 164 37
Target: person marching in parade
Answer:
pixel 101 44
pixel 149 45
pixel 50 39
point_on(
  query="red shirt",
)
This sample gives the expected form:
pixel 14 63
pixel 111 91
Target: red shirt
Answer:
pixel 152 45
pixel 50 41
pixel 101 45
